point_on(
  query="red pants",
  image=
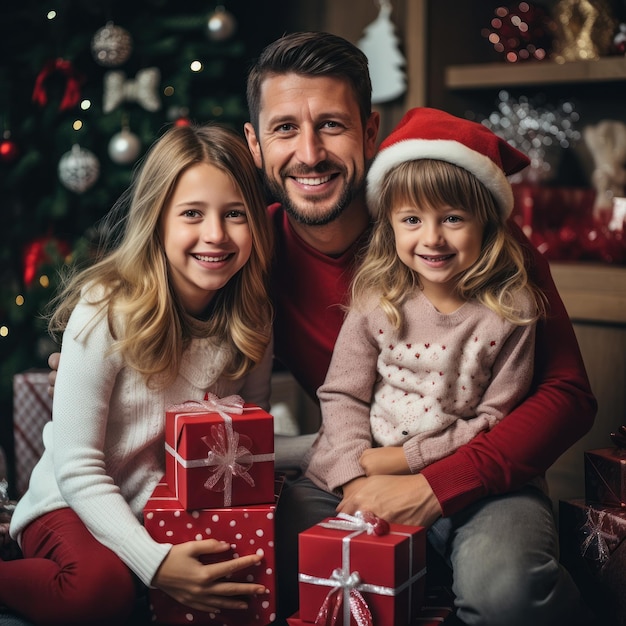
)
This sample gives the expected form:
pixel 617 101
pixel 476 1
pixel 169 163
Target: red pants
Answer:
pixel 66 576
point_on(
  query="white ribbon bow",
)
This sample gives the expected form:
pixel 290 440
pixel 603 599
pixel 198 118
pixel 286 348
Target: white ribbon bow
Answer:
pixel 143 89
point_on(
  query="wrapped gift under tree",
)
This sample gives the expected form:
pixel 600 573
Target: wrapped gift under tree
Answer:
pixel 249 530
pixel 219 453
pixel 361 566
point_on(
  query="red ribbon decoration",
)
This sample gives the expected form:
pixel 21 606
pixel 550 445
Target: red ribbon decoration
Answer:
pixel 330 613
pixel 71 96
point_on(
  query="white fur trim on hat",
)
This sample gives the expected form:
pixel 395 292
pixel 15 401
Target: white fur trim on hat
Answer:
pixel 454 152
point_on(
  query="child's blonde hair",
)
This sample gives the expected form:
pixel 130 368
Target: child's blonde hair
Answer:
pixel 496 279
pixel 154 329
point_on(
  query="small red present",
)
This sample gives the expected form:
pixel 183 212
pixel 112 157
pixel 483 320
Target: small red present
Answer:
pixel 347 569
pixel 605 476
pixel 219 453
pixel 249 530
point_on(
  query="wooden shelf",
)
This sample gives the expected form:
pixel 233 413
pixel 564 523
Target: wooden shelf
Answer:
pixel 491 75
pixel 592 292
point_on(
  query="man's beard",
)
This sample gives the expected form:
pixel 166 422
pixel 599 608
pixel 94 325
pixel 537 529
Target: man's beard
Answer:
pixel 278 193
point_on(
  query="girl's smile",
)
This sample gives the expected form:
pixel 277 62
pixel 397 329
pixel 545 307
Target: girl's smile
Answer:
pixel 206 236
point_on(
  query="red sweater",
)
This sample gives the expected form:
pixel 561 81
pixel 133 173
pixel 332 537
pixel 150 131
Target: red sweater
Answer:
pixel 308 289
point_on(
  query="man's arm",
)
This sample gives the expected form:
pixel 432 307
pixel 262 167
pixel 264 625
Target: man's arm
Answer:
pixel 560 410
pixel 53 363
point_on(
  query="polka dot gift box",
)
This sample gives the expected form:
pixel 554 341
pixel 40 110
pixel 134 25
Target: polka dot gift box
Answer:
pixel 249 529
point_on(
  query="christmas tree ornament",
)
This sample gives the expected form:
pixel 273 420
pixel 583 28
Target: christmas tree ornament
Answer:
pixel 143 89
pixel 521 32
pixel 79 169
pixel 8 148
pixel 221 24
pixel 73 80
pixel 111 46
pixel 124 147
pixel 585 29
pixel 381 47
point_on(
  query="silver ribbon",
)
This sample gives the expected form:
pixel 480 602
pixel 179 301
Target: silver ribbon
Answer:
pixel 143 89
pixel 343 521
pixel 596 544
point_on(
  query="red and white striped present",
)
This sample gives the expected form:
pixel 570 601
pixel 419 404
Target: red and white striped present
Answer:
pixel 32 408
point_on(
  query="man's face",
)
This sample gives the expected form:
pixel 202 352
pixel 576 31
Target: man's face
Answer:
pixel 311 145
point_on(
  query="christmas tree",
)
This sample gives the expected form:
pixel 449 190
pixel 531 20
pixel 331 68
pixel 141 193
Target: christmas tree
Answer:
pixel 85 88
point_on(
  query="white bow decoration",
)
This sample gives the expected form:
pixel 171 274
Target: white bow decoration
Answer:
pixel 143 89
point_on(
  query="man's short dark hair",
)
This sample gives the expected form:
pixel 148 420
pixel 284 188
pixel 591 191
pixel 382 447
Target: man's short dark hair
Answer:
pixel 311 54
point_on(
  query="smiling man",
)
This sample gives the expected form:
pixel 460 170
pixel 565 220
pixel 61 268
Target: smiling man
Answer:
pixel 313 133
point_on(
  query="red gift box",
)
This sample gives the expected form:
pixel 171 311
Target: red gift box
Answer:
pixel 342 561
pixel 605 476
pixel 32 408
pixel 219 453
pixel 592 541
pixel 250 529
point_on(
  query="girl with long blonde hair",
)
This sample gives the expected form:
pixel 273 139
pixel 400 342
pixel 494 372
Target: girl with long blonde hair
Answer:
pixel 177 308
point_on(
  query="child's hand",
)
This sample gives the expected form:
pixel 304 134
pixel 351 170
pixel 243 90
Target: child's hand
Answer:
pixel 205 587
pixel 387 460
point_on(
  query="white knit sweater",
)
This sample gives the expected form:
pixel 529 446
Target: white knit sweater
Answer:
pixel 104 448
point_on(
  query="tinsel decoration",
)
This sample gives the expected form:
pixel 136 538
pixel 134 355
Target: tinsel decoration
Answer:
pixel 111 45
pixel 78 169
pixel 73 80
pixel 539 130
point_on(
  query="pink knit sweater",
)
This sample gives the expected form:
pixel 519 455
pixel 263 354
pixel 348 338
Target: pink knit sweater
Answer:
pixel 431 389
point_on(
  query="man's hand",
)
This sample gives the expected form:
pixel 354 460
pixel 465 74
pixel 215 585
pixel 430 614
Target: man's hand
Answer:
pixel 399 499
pixel 53 363
pixel 385 460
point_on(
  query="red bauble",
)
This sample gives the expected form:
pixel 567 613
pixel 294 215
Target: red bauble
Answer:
pixel 8 150
pixel 182 121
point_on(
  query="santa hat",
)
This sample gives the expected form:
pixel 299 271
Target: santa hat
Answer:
pixel 425 133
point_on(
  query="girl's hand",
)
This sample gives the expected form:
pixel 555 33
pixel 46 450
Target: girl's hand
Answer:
pixel 205 587
pixel 387 460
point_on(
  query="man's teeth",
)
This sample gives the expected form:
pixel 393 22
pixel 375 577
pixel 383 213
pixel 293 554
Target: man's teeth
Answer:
pixel 211 259
pixel 312 181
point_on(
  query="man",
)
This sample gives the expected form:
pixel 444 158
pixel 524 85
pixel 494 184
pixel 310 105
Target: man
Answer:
pixel 312 132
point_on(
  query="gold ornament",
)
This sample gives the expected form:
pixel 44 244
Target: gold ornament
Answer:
pixel 584 30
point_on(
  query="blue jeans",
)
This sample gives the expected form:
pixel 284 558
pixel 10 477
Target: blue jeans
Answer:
pixel 502 552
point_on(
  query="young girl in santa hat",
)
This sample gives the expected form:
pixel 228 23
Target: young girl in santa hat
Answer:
pixel 438 343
